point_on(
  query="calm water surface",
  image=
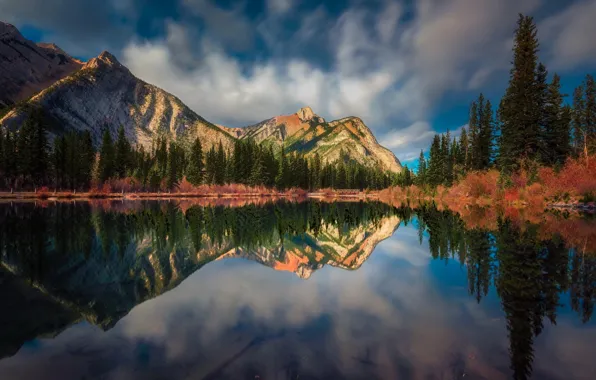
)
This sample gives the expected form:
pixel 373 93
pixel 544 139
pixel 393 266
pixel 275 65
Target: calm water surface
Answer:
pixel 176 290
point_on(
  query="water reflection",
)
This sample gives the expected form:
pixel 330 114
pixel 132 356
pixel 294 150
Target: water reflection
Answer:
pixel 72 272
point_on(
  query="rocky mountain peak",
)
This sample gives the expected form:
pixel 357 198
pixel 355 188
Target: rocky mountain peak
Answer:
pixel 104 60
pixel 305 114
pixel 27 68
pixel 8 30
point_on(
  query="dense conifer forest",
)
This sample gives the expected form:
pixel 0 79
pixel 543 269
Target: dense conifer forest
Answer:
pixel 531 127
pixel 27 161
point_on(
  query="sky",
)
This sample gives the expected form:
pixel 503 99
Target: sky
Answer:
pixel 408 68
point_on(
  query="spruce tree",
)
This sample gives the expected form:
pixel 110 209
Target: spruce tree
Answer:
pixel 473 139
pixel 485 137
pixel 421 169
pixel 280 179
pixel 195 164
pixel 174 165
pixel 106 157
pixel 435 164
pixel 220 163
pixel 122 157
pixel 464 145
pixel 9 159
pixel 520 111
pixel 444 158
pixel 590 113
pixel 555 126
pixel 59 161
pixel 87 158
pixel 257 172
pixel 580 131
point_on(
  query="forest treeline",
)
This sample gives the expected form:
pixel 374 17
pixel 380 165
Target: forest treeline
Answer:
pixel 532 125
pixel 28 161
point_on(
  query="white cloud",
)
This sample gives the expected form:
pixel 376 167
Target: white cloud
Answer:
pixel 279 6
pixel 406 143
pixel 573 34
pixel 391 73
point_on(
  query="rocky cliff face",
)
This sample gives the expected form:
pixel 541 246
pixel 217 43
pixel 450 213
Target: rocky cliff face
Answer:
pixel 27 68
pixel 309 133
pixel 104 94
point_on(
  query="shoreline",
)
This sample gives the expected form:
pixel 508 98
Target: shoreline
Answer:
pixel 20 196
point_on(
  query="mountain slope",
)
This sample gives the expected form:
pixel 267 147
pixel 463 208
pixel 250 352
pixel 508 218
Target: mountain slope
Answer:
pixel 27 68
pixel 105 94
pixel 309 133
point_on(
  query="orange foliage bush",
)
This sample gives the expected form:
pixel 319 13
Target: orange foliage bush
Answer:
pixel 576 178
pixel 477 184
pixel 43 192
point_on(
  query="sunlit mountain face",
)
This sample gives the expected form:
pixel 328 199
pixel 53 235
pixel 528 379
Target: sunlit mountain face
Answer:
pixel 185 288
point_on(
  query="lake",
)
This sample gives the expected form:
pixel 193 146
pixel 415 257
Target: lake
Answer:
pixel 292 290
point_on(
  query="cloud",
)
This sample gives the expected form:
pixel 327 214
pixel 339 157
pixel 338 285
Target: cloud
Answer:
pixel 279 6
pixel 393 63
pixel 230 27
pixel 80 27
pixel 407 142
pixel 572 35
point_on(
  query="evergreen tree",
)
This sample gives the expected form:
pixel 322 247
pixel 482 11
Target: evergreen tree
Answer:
pixel 421 169
pixel 107 156
pixel 590 113
pixel 59 158
pixel 464 145
pixel 220 163
pixel 556 126
pixel 174 165
pixel 444 158
pixel 258 171
pixel 580 131
pixel 485 137
pixel 474 132
pixel 195 164
pixel 122 154
pixel 9 159
pixel 280 179
pixel 86 156
pixel 32 149
pixel 435 164
pixel 520 110
pixel 448 159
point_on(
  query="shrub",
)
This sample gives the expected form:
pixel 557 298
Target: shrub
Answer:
pixel 43 192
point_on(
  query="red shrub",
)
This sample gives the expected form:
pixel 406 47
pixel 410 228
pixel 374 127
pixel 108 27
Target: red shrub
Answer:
pixel 43 192
pixel 479 184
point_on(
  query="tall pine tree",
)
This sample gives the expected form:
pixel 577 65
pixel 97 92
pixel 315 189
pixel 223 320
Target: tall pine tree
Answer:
pixel 520 110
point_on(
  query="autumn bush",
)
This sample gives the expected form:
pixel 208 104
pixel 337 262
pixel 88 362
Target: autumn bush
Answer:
pixel 477 185
pixel 576 179
pixel 43 192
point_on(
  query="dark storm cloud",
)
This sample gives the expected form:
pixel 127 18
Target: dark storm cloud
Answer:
pixel 81 27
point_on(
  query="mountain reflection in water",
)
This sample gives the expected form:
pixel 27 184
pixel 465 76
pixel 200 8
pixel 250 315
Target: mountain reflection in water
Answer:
pixel 439 298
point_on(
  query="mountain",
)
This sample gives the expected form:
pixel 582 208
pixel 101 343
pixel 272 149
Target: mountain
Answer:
pixel 105 94
pixel 309 133
pixel 27 68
